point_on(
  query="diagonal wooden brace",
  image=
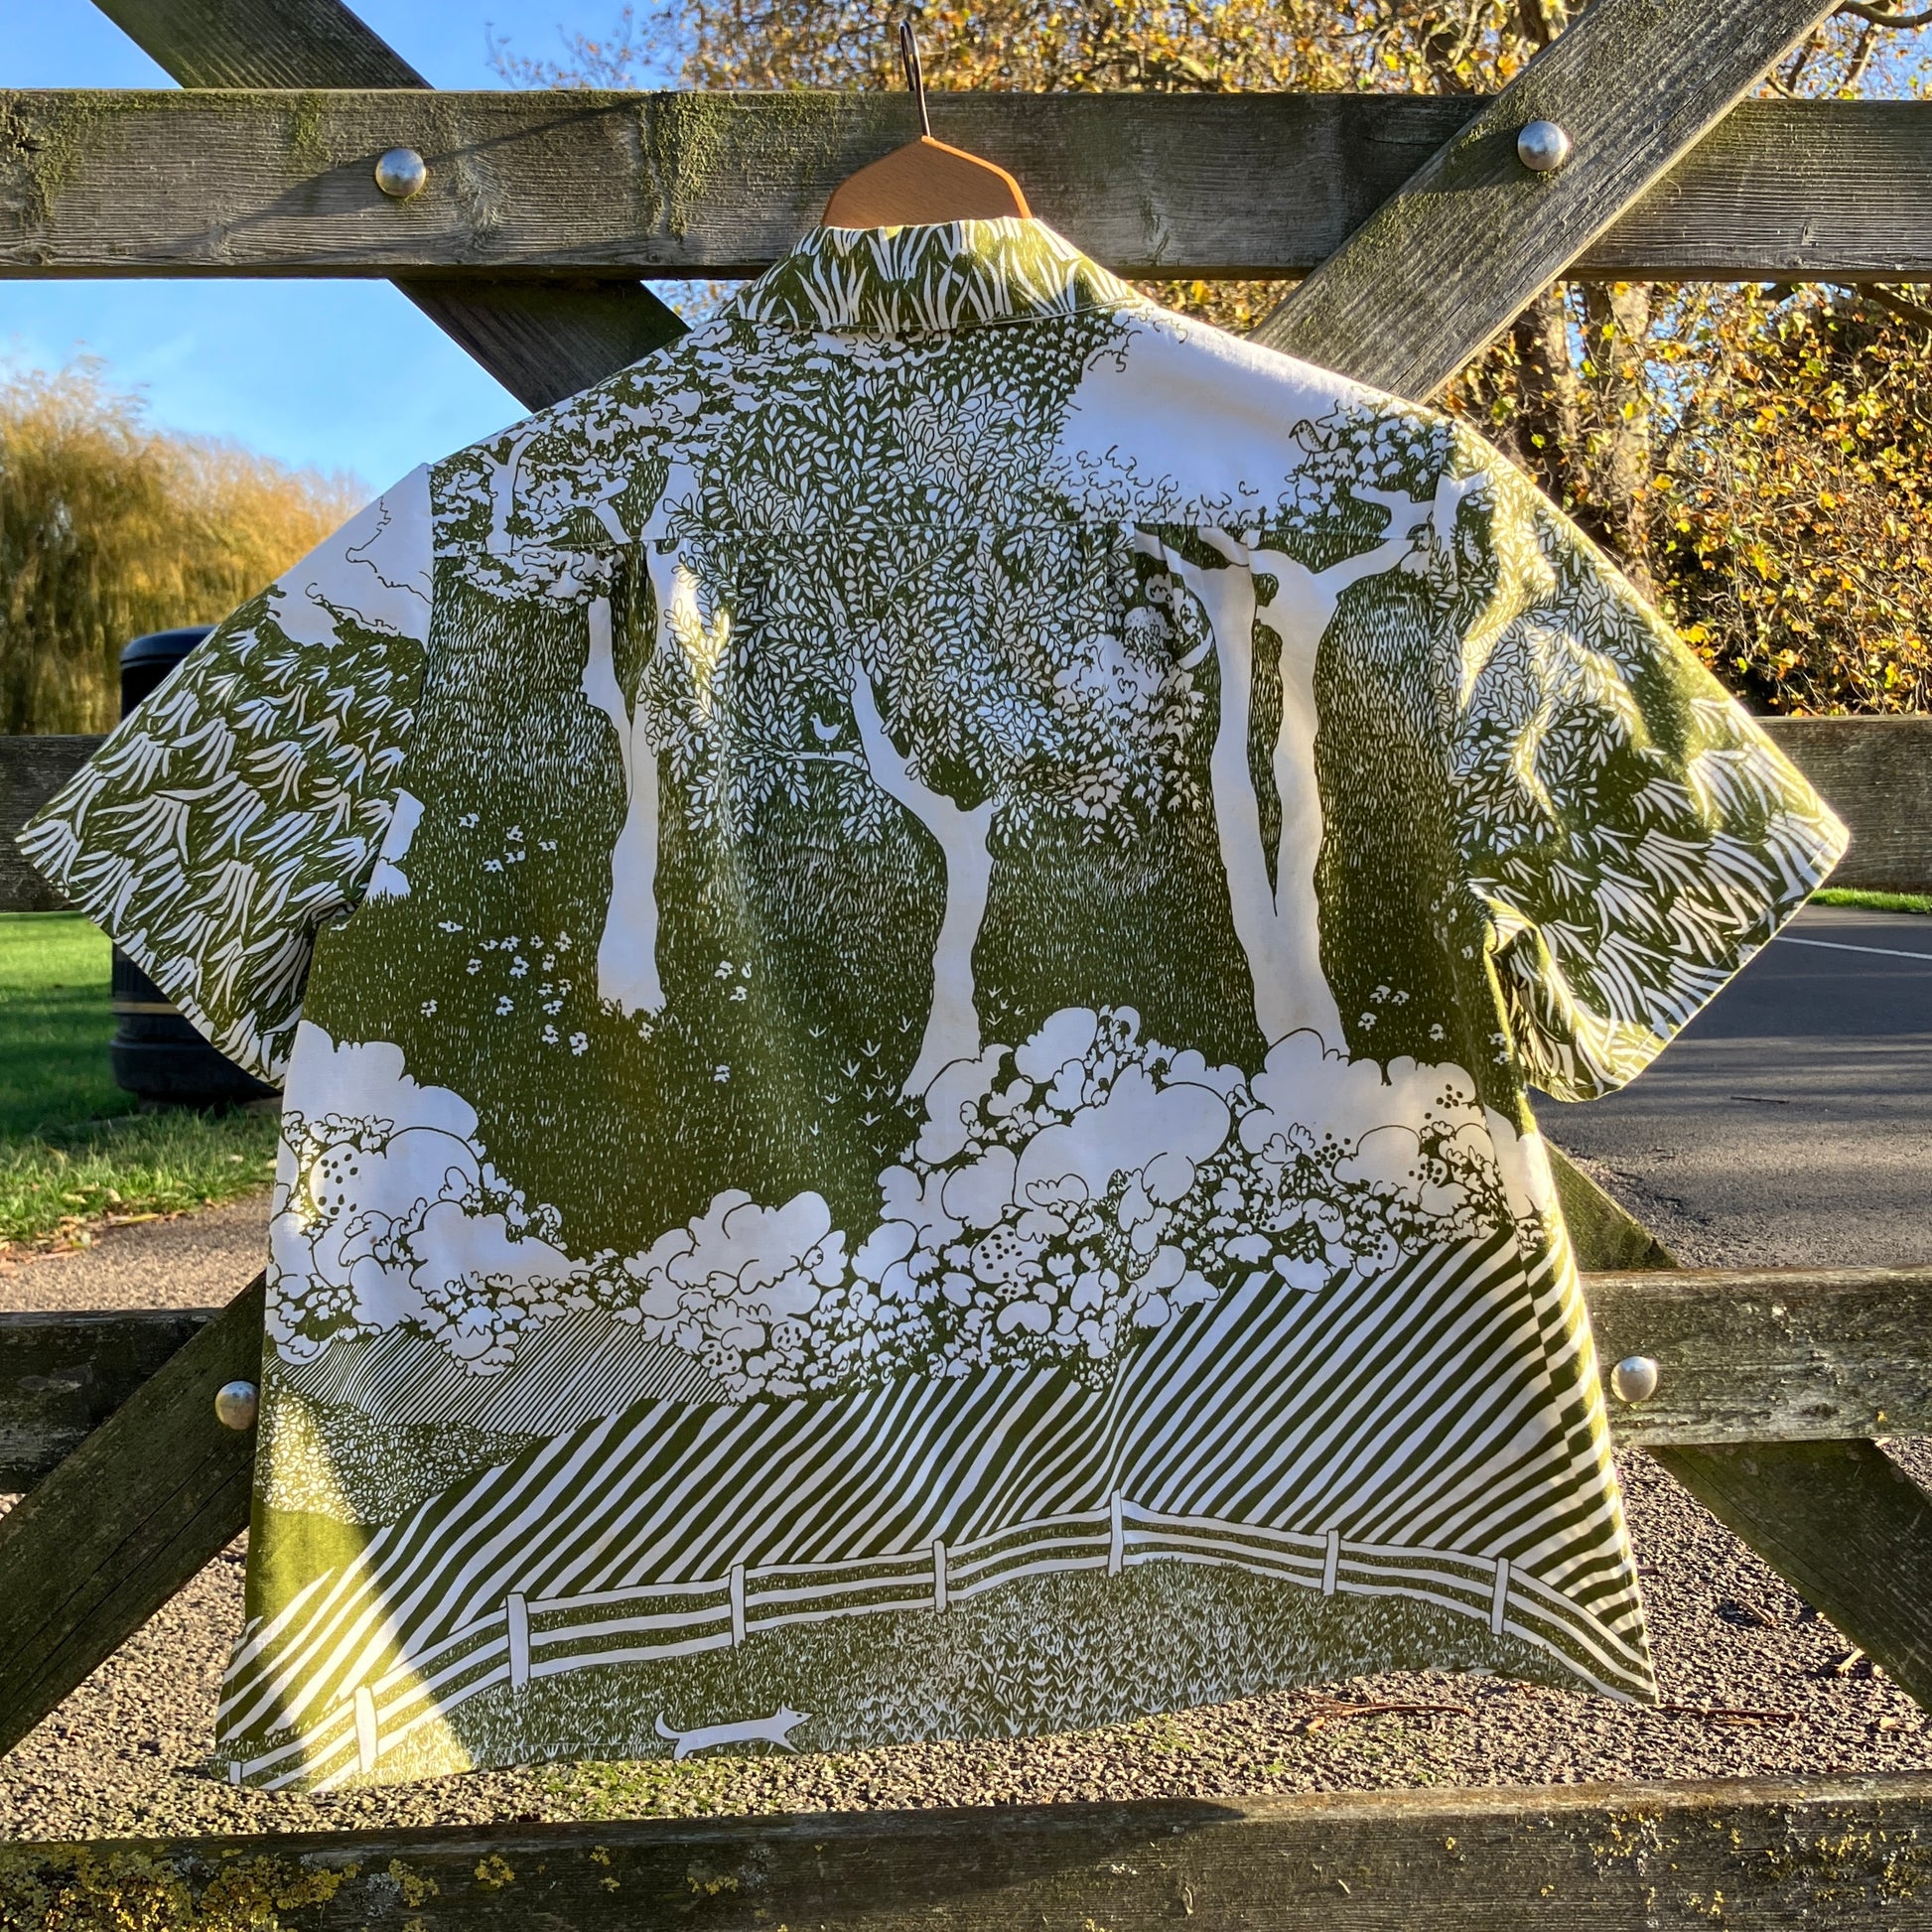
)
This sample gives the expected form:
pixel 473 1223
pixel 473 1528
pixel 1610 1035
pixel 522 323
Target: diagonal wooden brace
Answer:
pixel 541 340
pixel 125 1521
pixel 1449 259
pixel 1843 1524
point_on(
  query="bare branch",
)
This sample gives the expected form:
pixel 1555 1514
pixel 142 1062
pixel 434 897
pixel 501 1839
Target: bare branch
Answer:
pixel 1799 61
pixel 1860 59
pixel 1881 17
pixel 1896 305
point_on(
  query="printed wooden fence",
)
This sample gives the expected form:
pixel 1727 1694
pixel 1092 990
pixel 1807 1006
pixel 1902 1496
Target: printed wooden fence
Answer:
pixel 1427 236
pixel 530 1638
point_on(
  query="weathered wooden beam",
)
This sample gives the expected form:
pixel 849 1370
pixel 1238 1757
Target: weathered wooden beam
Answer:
pixel 32 770
pixel 1765 1356
pixel 1602 1235
pixel 1855 1854
pixel 125 1521
pixel 540 346
pixel 622 185
pixel 1771 1355
pixel 63 1374
pixel 261 43
pixel 1843 1524
pixel 1448 261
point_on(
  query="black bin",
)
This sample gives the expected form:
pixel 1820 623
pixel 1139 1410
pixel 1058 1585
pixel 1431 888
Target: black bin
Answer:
pixel 155 1052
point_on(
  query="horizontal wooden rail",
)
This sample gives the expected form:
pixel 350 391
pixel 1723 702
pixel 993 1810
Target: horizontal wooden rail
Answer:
pixel 63 1374
pixel 615 186
pixel 1769 1355
pixel 31 770
pixel 1852 1852
pixel 1875 773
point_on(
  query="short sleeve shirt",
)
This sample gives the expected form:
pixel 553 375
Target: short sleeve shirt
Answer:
pixel 905 946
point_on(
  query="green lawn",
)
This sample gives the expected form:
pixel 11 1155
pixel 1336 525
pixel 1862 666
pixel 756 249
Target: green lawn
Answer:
pixel 75 1150
pixel 1874 902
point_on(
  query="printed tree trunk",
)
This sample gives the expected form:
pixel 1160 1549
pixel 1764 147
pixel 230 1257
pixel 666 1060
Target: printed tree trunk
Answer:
pixel 952 1029
pixel 627 953
pixel 1273 905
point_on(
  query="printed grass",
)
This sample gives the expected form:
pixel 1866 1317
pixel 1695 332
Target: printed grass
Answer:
pixel 75 1151
pixel 1874 901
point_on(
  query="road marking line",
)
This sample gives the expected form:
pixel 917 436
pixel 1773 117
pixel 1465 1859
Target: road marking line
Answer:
pixel 1836 946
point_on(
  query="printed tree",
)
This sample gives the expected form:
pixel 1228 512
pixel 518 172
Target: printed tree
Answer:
pixel 952 1028
pixel 1270 879
pixel 627 953
pixel 801 690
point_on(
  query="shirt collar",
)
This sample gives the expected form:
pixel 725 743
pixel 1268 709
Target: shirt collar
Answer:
pixel 934 276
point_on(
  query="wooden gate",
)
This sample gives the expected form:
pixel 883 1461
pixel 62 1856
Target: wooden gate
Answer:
pixel 1420 234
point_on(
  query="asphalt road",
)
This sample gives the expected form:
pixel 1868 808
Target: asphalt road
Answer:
pixel 1790 1124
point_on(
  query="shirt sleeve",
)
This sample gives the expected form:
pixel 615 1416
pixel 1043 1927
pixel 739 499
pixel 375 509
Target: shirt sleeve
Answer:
pixel 246 801
pixel 1632 834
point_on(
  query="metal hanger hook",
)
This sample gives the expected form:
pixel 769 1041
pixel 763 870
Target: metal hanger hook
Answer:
pixel 908 53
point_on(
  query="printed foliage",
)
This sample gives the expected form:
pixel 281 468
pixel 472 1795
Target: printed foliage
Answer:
pixel 1632 837
pixel 1062 1202
pixel 246 801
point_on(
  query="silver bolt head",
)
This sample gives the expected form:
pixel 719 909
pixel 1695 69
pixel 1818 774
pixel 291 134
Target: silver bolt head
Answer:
pixel 1634 1379
pixel 401 173
pixel 235 1404
pixel 1542 147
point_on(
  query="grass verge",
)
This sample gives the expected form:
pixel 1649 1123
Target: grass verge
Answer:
pixel 76 1152
pixel 1874 901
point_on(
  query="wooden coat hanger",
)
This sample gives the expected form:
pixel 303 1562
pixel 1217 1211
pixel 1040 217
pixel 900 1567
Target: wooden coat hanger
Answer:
pixel 925 181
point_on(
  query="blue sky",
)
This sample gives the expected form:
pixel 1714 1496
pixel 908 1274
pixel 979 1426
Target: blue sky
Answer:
pixel 345 375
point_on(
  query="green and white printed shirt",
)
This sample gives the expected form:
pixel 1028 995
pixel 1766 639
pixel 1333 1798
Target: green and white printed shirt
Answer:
pixel 904 946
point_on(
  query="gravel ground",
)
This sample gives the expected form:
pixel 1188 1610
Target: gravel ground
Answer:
pixel 194 1261
pixel 1762 1684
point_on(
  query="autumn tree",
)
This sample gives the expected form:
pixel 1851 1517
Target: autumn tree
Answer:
pixel 110 527
pixel 1791 509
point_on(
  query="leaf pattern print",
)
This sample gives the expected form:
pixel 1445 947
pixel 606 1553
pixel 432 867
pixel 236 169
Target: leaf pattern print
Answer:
pixel 1631 836
pixel 247 800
